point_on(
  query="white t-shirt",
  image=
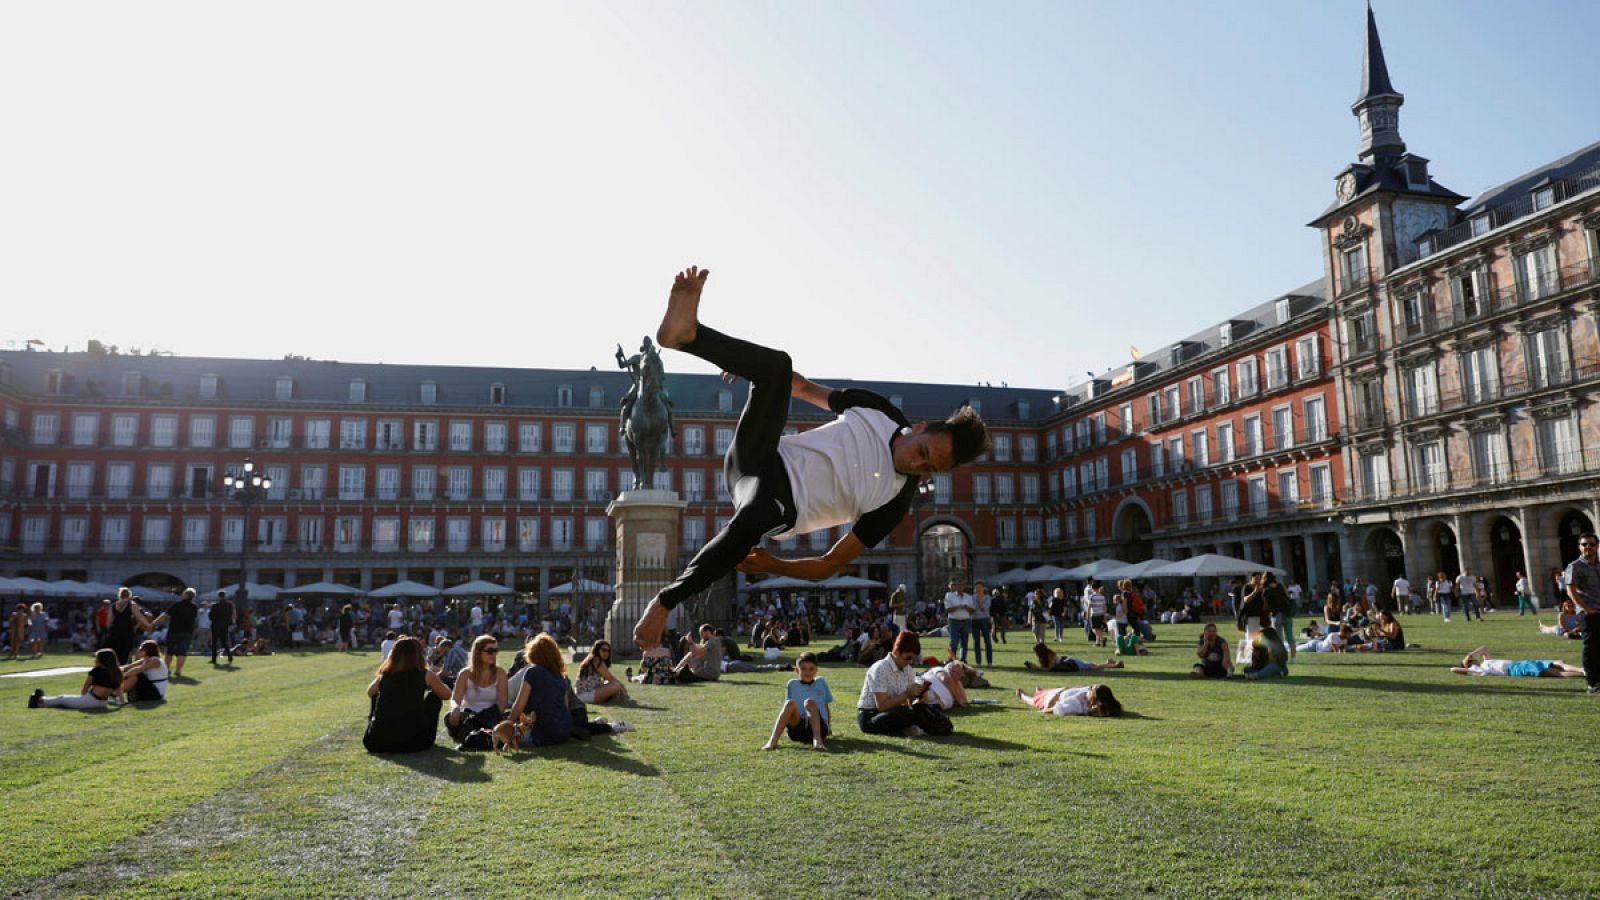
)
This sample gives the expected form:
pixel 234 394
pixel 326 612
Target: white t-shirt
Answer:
pixel 385 647
pixel 1072 702
pixel 1492 667
pixel 1466 586
pixel 956 603
pixel 1402 587
pixel 840 471
pixel 937 692
pixel 1443 587
pixel 476 616
pixel 1096 601
pixel 157 675
pixel 396 619
pixel 884 677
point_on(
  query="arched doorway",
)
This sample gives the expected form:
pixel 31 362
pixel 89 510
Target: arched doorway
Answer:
pixel 1130 529
pixel 1506 554
pixel 1388 555
pixel 1573 523
pixel 161 581
pixel 942 551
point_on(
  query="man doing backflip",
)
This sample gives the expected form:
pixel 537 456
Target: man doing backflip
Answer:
pixel 862 467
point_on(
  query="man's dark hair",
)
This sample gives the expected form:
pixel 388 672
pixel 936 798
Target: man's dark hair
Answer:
pixel 806 657
pixel 906 642
pixel 1590 535
pixel 969 437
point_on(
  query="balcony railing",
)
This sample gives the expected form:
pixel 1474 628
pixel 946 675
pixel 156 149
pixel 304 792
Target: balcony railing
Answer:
pixel 1469 475
pixel 1522 207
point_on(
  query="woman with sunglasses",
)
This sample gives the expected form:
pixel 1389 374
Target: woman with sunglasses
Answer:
pixel 479 698
pixel 596 684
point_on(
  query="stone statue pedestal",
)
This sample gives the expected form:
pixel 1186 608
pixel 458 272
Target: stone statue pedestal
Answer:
pixel 647 523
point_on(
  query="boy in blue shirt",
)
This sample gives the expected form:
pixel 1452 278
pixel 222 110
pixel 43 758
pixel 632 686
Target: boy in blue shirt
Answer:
pixel 805 710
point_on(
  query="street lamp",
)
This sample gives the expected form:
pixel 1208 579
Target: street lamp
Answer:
pixel 923 498
pixel 247 488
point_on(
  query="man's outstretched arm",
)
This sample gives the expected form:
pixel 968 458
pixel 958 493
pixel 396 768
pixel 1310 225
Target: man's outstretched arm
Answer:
pixel 812 568
pixel 803 388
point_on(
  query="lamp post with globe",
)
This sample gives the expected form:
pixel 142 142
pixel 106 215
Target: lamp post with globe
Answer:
pixel 247 488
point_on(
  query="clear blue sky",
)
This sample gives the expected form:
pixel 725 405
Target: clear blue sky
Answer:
pixel 927 191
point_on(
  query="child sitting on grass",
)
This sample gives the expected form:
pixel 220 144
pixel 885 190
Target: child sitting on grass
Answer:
pixel 805 711
pixel 1129 643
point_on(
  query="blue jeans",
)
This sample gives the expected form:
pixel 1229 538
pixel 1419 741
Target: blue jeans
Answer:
pixel 1470 606
pixel 960 630
pixel 982 641
pixel 1270 670
pixel 1444 605
pixel 889 721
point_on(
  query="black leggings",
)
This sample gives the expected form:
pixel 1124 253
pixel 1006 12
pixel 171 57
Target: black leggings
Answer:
pixel 762 498
pixel 889 721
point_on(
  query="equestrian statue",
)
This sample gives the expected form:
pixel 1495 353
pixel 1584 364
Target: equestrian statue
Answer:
pixel 646 416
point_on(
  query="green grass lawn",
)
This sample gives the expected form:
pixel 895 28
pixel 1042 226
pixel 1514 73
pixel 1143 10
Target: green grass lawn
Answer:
pixel 1360 775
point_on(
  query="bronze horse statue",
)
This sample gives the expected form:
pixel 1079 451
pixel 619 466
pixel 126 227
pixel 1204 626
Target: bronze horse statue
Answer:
pixel 646 416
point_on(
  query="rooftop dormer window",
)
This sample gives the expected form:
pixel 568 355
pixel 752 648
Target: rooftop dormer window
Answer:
pixel 1224 334
pixel 725 400
pixel 564 396
pixel 430 393
pixel 1282 310
pixel 597 397
pixel 55 382
pixel 1544 198
pixel 284 389
pixel 208 387
pixel 358 390
pixel 497 395
pixel 132 384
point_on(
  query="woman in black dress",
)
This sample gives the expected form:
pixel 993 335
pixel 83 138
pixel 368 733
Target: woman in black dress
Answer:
pixel 406 698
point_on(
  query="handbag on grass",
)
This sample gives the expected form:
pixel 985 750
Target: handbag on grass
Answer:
pixel 931 719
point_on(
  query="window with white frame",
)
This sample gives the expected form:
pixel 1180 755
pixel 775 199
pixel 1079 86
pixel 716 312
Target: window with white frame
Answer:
pixel 563 437
pixel 163 431
pixel 595 438
pixel 1201 442
pixel 352 482
pixel 386 534
pixel 980 488
pixel 660 480
pixel 1091 525
pixel 597 396
pixel 561 485
pixel 119 479
pixel 1002 448
pixel 457 534
pixel 1257 487
pixel 1007 531
pixel 1288 488
pixel 1032 531
pixel 1536 272
pixel 1490 462
pixel 1170 404
pixel 530 437
pixel 495 442
pixel 1202 503
pixel 421 533
pixel 1072 526
pixel 1052 529
pixel 1469 293
pixel 1430 468
pixel 1479 374
pixel 283 388
pixel 80 479
pixel 1030 487
pixel 528 483
pixel 1277 367
pixel 85 429
pixel 694 440
pixel 1086 476
pixel 1102 473
pixel 313 482
pixel 1125 425
pixel 270 532
pixel 1282 427
pixel 1558 444
pixel 424 482
pixel 346 534
pixel 595 484
pixel 527 534
pixel 722 439
pixel 493 534
pixel 280 432
pixel 1253 443
pixel 1321 482
pixel 158 481
pixel 1197 394
pixel 241 432
pixel 1221 387
pixel 694 532
pixel 494 483
pixel 1003 488
pixel 1066 439
pixel 1069 483
pixel 311 529
pixel 1130 465
pixel 1176 455
pixel 388 484
pixel 1083 427
pixel 202 431
pixel 561 533
pixel 352 434
pixel 694 485
pixel 114 534
pixel 1053 485
pixel 1316 415
pixel 1028 448
pixel 1099 428
pixel 390 435
pixel 430 393
pixel 75 534
pixel 156 531
pixel 1228 490
pixel 1548 363
pixel 318 434
pixel 208 387
pixel 458 485
pixel 1422 389
pixel 358 393
pixel 1307 357
pixel 1353 267
pixel 461 437
pixel 1153 408
pixel 278 474
pixel 1225 442
pixel 1158 459
pixel 1246 370
pixel 1050 444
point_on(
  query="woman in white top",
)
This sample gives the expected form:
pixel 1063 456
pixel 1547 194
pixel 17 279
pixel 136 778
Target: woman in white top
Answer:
pixel 1088 700
pixel 944 684
pixel 146 677
pixel 480 686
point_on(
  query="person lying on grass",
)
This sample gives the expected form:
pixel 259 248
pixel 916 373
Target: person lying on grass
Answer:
pixel 1086 700
pixel 1049 661
pixel 806 713
pixel 100 686
pixel 1335 642
pixel 1216 657
pixel 944 683
pixel 1479 662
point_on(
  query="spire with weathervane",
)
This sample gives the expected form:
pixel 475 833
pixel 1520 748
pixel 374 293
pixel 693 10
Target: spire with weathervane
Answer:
pixel 1378 107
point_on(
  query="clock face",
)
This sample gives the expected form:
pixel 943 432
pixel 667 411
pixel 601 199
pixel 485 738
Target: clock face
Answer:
pixel 1346 186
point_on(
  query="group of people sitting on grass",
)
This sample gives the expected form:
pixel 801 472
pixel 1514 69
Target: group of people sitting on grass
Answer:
pixel 144 679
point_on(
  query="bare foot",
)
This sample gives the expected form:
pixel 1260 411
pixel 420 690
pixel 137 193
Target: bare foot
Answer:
pixel 1021 696
pixel 647 634
pixel 682 321
pixel 770 745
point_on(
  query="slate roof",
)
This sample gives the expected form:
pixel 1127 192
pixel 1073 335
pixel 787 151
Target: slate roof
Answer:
pixel 1570 166
pixel 1374 71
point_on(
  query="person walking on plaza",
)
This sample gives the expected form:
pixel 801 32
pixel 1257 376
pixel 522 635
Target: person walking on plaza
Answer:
pixel 897 607
pixel 1443 588
pixel 1467 592
pixel 982 624
pixel 1524 591
pixel 1400 593
pixel 1058 611
pixel 180 619
pixel 959 608
pixel 1038 614
pixel 1000 613
pixel 863 467
pixel 1583 588
pixel 222 615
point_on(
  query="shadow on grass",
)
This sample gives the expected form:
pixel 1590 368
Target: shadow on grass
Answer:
pixel 839 744
pixel 444 763
pixel 1381 685
pixel 601 750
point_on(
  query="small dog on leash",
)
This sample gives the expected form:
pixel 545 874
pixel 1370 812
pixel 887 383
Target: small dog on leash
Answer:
pixel 508 736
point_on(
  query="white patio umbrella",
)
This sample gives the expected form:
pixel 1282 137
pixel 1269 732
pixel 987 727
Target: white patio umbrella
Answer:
pixel 1150 568
pixel 1016 575
pixel 152 595
pixel 845 582
pixel 1048 573
pixel 25 585
pixel 1208 565
pixel 405 589
pixel 478 589
pixel 1094 569
pixel 318 589
pixel 255 591
pixel 582 586
pixel 782 583
pixel 66 588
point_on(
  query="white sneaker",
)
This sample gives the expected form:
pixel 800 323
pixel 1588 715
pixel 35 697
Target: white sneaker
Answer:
pixel 622 727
